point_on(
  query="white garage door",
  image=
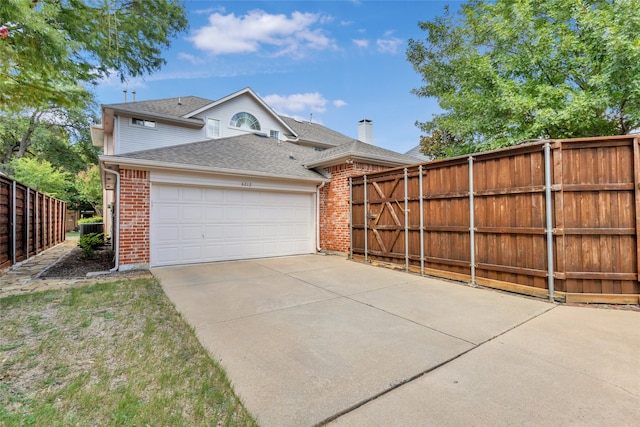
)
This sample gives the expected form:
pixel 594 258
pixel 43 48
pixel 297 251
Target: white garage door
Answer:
pixel 202 224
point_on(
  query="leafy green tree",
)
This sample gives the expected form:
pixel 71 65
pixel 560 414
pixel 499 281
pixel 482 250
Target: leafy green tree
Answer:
pixel 89 187
pixel 42 176
pixel 508 71
pixel 60 135
pixel 52 50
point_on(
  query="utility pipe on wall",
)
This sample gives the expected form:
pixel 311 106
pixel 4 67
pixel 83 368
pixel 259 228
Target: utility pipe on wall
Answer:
pixel 318 248
pixel 116 236
pixel 549 218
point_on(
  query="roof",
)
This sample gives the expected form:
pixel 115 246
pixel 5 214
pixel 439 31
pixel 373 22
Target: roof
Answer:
pixel 358 150
pixel 246 154
pixel 167 107
pixel 315 132
pixel 417 153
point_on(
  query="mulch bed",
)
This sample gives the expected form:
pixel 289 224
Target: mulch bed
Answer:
pixel 76 264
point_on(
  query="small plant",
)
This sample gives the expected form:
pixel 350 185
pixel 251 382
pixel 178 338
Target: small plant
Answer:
pixel 91 220
pixel 90 242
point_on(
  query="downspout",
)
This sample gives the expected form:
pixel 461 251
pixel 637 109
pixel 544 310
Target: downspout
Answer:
pixel 318 248
pixel 116 228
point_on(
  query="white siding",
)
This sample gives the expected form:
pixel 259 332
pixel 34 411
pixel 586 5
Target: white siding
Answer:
pixel 224 113
pixel 131 137
pixel 137 138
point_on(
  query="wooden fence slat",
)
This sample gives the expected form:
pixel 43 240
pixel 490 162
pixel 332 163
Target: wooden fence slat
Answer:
pixel 595 222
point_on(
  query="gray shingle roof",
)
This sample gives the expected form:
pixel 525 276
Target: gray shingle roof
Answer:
pixel 244 154
pixel 315 133
pixel 358 149
pixel 168 107
pixel 415 152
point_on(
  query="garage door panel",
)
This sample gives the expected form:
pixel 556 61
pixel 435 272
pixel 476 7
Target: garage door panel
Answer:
pixel 191 253
pixel 214 213
pixel 166 193
pixel 193 232
pixel 190 194
pixel 191 213
pixel 168 214
pixel 201 224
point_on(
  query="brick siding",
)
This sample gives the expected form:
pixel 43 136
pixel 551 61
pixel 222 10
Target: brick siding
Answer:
pixel 334 205
pixel 135 196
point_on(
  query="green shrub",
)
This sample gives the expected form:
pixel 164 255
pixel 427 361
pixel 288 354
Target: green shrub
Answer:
pixel 90 242
pixel 91 220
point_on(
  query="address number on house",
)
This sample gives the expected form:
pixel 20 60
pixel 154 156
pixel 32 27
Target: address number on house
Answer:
pixel 245 184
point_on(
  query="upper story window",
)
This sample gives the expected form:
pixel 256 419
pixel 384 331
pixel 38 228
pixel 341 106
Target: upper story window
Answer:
pixel 275 134
pixel 213 128
pixel 245 121
pixel 142 122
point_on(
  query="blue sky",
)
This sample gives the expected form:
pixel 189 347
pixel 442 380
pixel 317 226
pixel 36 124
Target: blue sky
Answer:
pixel 335 61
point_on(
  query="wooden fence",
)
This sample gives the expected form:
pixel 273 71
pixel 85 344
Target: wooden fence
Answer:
pixel 557 219
pixel 30 222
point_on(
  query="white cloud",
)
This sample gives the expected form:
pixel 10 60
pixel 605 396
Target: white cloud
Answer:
pixel 339 103
pixel 258 31
pixel 299 102
pixel 191 58
pixel 388 45
pixel 364 43
pixel 209 10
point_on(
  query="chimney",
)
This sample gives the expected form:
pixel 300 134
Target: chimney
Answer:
pixel 365 131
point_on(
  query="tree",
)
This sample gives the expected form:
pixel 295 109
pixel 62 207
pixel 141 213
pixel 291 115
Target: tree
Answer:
pixel 41 176
pixel 89 187
pixel 507 71
pixel 52 50
pixel 60 135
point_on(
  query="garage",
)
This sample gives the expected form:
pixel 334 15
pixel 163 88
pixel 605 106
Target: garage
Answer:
pixel 195 224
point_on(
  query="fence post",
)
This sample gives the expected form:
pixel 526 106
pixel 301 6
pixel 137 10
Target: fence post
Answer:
pixel 366 217
pixel 27 222
pixel 549 218
pixel 472 225
pixel 421 222
pixel 14 218
pixel 406 221
pixel 350 217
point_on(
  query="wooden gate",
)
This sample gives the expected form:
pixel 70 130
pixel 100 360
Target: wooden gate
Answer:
pixel 556 218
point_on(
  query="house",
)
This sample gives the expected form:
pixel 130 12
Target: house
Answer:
pixel 190 180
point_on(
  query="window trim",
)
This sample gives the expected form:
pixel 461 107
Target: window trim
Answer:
pixel 206 130
pixel 145 124
pixel 245 116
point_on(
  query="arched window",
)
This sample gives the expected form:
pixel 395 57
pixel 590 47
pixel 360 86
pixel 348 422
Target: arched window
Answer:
pixel 245 121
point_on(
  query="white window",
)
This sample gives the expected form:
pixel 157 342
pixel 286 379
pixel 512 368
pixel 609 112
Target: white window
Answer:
pixel 142 122
pixel 213 128
pixel 275 134
pixel 245 121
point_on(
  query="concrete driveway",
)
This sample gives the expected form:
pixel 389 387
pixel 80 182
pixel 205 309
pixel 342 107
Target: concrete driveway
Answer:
pixel 319 339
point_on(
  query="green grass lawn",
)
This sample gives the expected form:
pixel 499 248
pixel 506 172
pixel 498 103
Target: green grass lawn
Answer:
pixel 111 354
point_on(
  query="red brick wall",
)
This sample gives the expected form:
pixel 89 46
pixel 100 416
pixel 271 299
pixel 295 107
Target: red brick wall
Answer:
pixel 334 205
pixel 135 195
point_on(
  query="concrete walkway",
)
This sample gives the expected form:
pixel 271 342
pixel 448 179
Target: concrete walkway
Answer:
pixel 318 339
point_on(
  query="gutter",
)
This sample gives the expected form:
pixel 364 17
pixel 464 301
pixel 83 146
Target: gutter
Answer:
pixel 140 163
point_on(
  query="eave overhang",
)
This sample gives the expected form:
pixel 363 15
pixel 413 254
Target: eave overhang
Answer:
pixel 115 162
